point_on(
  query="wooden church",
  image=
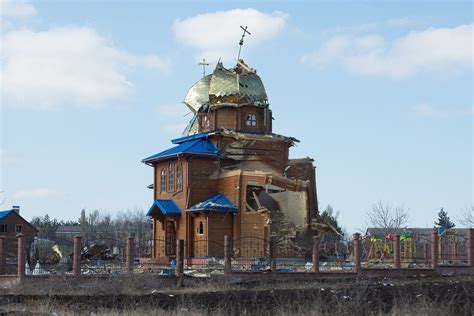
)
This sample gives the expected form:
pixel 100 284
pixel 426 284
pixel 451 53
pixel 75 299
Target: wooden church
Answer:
pixel 229 174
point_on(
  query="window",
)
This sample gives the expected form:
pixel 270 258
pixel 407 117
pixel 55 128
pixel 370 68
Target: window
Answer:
pixel 200 229
pixel 251 119
pixel 3 228
pixel 179 177
pixel 171 176
pixel 163 180
pixel 18 228
pixel 206 121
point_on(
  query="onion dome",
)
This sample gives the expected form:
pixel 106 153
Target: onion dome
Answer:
pixel 233 87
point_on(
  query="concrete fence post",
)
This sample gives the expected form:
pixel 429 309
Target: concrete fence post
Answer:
pixel 434 249
pixel 397 259
pixel 316 241
pixel 129 254
pixel 180 258
pixel 227 255
pixel 357 252
pixel 470 247
pixel 76 256
pixel 273 254
pixel 21 255
pixel 3 254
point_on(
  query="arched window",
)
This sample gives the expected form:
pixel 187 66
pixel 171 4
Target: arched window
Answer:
pixel 200 229
pixel 163 180
pixel 251 119
pixel 179 177
pixel 171 176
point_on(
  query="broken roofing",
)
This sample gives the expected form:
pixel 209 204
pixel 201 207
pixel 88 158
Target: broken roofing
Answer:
pixel 216 203
pixel 241 82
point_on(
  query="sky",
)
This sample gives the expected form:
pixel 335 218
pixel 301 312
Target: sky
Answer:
pixel 380 94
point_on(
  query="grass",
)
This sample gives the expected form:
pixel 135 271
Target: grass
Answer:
pixel 153 295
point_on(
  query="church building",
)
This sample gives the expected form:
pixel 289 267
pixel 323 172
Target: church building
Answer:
pixel 230 174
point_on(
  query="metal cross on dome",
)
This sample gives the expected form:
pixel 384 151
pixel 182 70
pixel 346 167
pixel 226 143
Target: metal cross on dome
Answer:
pixel 242 39
pixel 203 64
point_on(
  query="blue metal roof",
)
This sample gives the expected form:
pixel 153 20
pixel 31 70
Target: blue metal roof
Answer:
pixel 5 213
pixel 217 203
pixel 198 147
pixel 165 206
pixel 190 137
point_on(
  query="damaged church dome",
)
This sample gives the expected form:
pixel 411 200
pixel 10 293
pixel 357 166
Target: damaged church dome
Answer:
pixel 231 87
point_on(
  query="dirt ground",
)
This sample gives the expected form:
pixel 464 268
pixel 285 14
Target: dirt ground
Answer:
pixel 153 295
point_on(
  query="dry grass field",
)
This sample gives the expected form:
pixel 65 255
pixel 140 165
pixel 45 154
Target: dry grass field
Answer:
pixel 153 295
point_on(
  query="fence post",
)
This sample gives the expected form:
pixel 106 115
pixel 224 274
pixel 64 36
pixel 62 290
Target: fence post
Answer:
pixel 180 258
pixel 227 255
pixel 434 249
pixel 21 255
pixel 470 247
pixel 273 254
pixel 3 255
pixel 315 268
pixel 397 260
pixel 76 256
pixel 129 254
pixel 425 251
pixel 357 251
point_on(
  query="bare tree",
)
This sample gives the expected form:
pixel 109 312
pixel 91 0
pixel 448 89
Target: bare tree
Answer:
pixel 467 216
pixel 387 216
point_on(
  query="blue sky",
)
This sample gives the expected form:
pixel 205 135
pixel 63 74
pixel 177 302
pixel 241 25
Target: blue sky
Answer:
pixel 380 95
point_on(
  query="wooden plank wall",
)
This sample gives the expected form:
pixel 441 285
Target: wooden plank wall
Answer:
pixel 219 226
pixel 200 185
pixel 198 246
pixel 179 197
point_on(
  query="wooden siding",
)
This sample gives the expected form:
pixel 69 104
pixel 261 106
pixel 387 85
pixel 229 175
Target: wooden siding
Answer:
pixel 201 186
pixel 199 244
pixel 219 225
pixel 226 118
pixel 229 186
pixel 178 196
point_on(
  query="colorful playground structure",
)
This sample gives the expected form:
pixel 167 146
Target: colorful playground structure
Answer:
pixel 415 244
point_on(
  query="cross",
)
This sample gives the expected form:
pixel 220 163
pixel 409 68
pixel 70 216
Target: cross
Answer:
pixel 242 39
pixel 203 64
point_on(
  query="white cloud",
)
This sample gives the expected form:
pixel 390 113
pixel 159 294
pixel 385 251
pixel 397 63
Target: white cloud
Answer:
pixel 427 110
pixel 447 50
pixel 430 111
pixel 217 34
pixel 16 8
pixel 66 65
pixel 37 193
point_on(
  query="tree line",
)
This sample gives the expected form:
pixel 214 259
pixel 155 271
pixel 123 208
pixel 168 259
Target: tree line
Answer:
pixel 99 226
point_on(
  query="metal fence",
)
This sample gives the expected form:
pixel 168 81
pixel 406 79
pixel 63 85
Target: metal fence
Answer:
pixel 250 254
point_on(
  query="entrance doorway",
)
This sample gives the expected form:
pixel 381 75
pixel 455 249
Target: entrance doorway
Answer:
pixel 170 238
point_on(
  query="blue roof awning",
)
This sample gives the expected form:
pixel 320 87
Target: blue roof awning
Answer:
pixel 217 203
pixel 197 147
pixel 165 206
